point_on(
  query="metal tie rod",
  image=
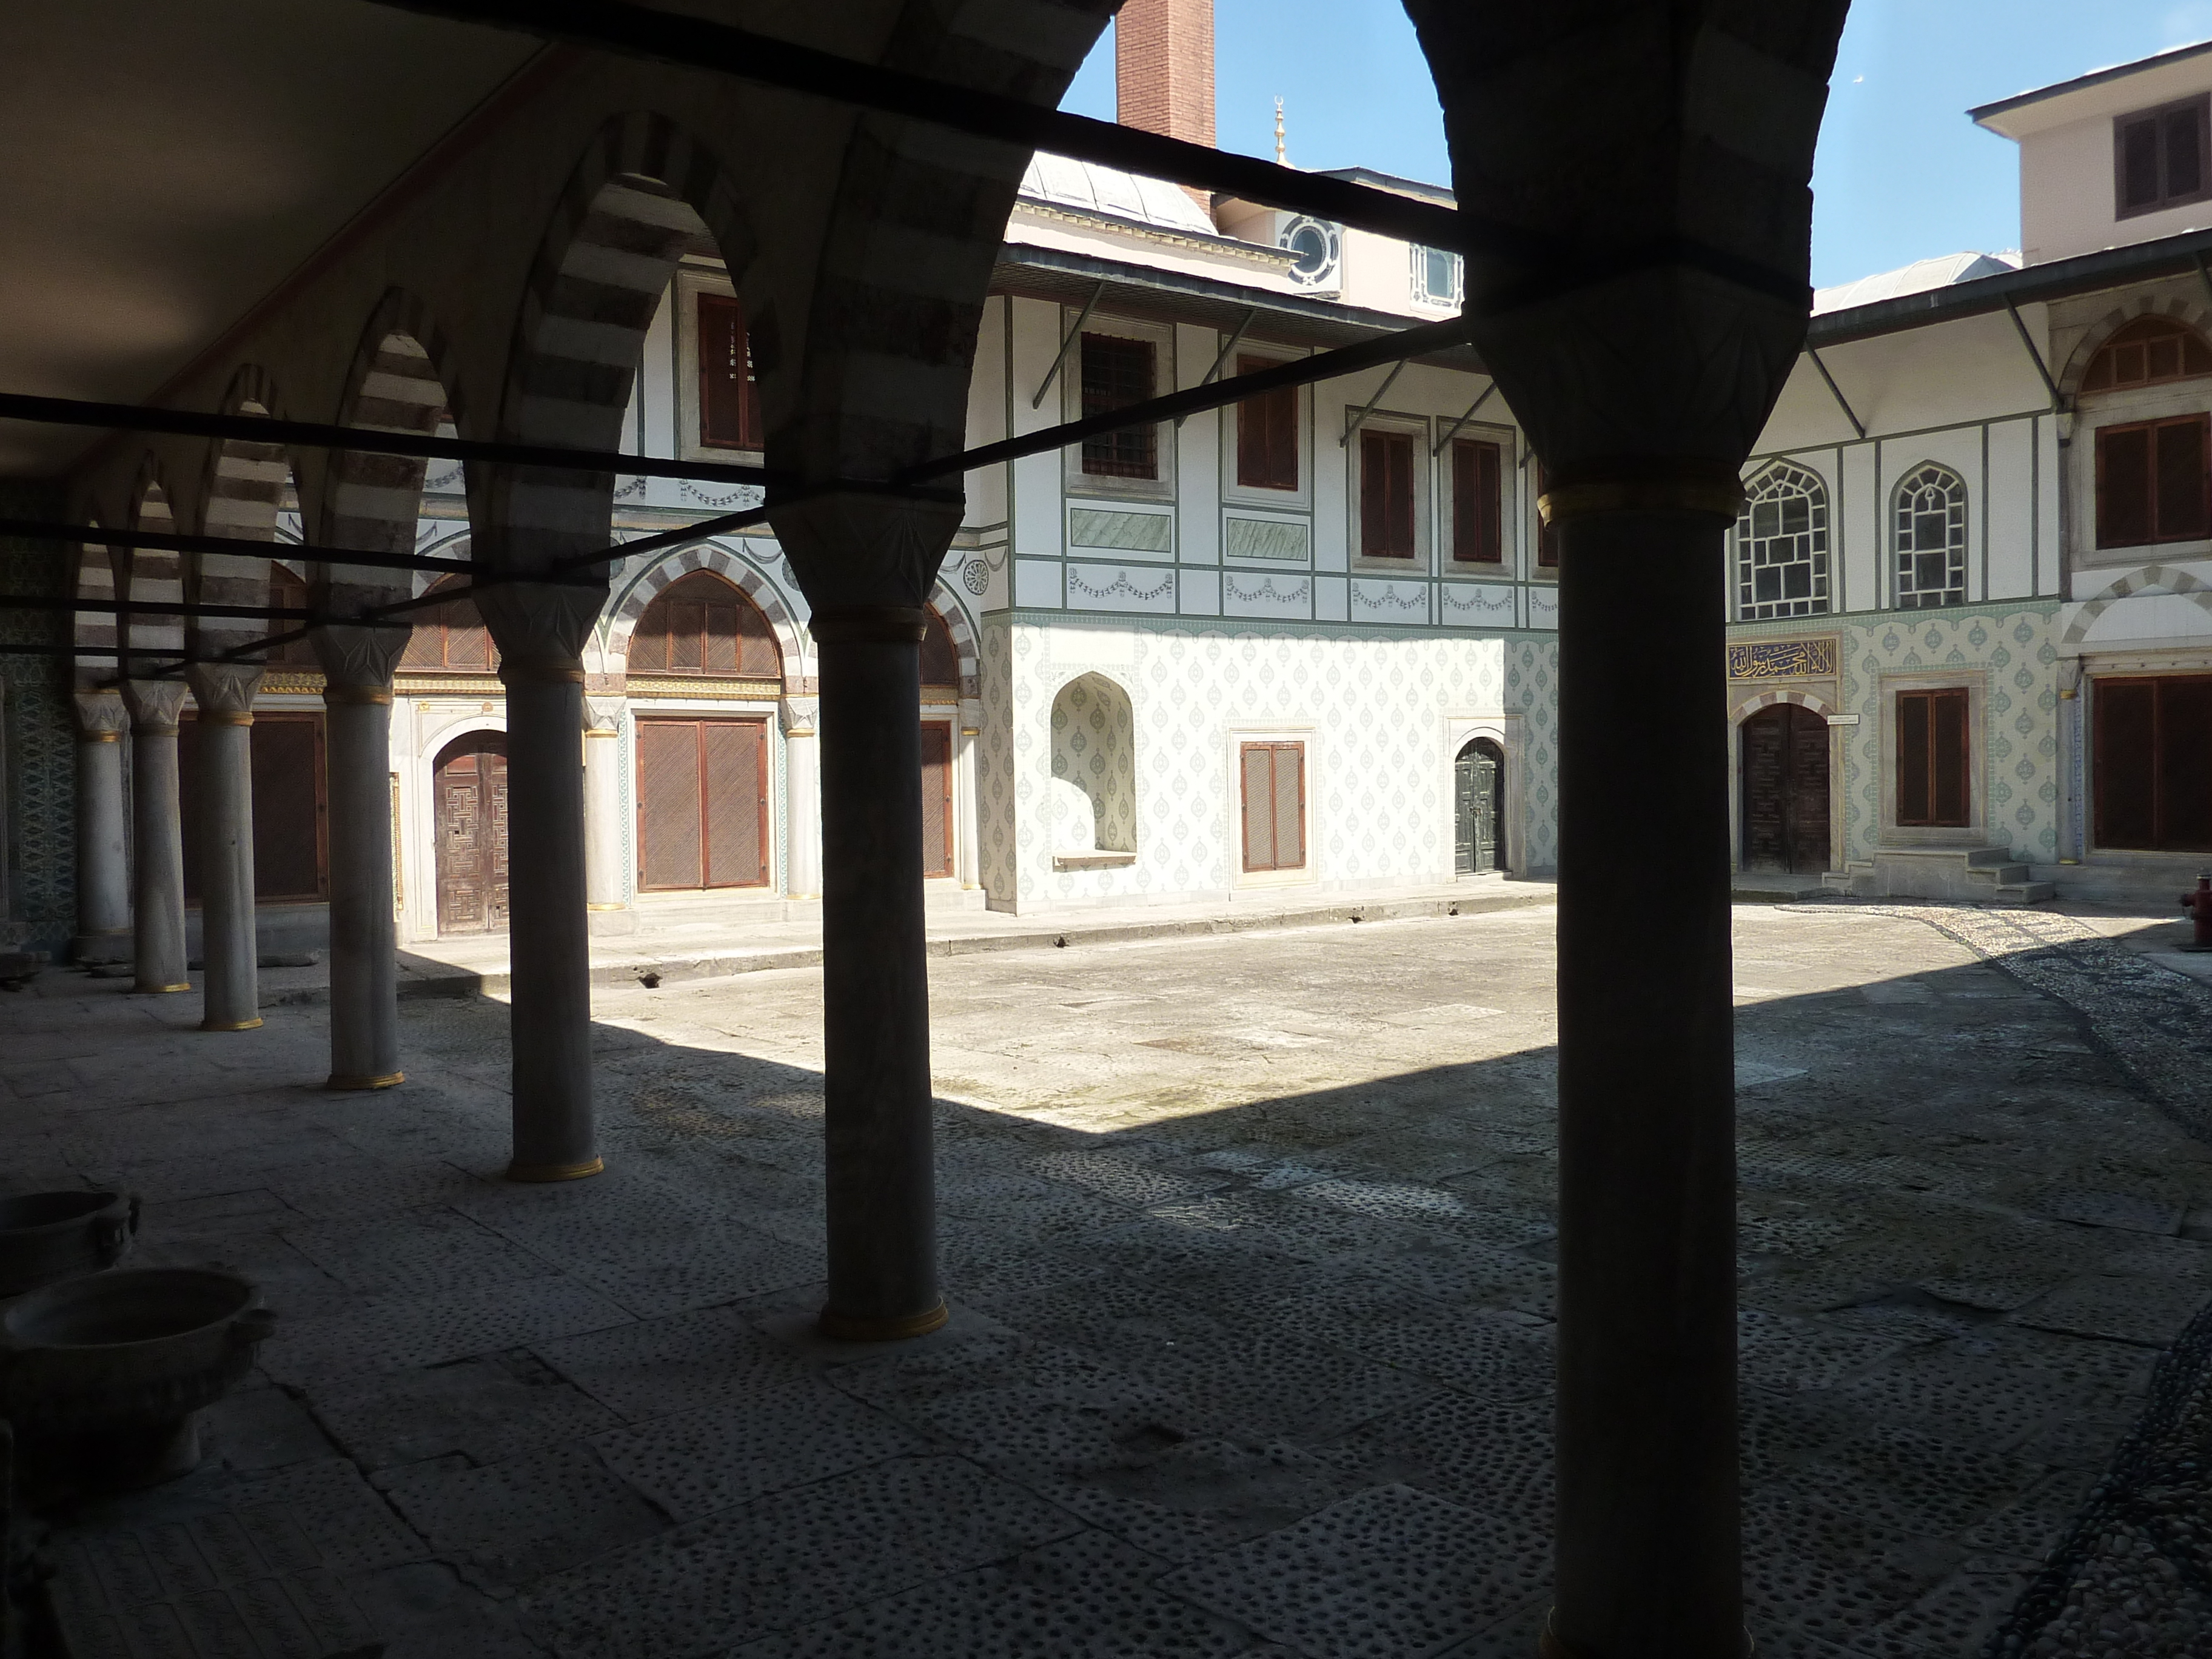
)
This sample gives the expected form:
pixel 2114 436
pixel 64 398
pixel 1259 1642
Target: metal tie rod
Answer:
pixel 374 441
pixel 170 541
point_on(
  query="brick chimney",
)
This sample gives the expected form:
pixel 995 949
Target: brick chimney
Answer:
pixel 1164 68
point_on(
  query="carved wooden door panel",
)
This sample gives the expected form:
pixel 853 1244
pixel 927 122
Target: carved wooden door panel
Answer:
pixel 1786 791
pixel 471 794
pixel 1477 778
pixel 1808 791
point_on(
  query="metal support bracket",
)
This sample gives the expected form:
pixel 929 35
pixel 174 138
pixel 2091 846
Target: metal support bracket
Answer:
pixel 1453 430
pixel 1836 391
pixel 2035 356
pixel 1250 312
pixel 1360 419
pixel 1067 345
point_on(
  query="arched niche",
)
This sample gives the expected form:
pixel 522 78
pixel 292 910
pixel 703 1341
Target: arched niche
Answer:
pixel 1094 770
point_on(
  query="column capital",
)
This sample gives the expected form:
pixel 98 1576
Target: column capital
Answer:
pixel 797 717
pixel 225 688
pixel 153 704
pixel 603 715
pixel 540 627
pixel 852 548
pixel 101 714
pixel 358 658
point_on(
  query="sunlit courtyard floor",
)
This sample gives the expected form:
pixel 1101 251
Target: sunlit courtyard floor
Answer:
pixel 1249 1241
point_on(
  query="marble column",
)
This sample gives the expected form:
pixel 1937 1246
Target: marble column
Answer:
pixel 157 844
pixel 357 664
pixel 865 564
pixel 606 886
pixel 802 810
pixel 228 947
pixel 103 862
pixel 540 629
pixel 968 853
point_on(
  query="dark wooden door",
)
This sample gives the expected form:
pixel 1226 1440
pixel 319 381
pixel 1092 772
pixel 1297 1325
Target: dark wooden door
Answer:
pixel 471 786
pixel 701 803
pixel 1273 786
pixel 936 798
pixel 1786 791
pixel 1478 806
pixel 2151 760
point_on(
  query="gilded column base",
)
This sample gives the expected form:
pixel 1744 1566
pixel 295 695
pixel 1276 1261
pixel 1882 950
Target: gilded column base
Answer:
pixel 846 1328
pixel 340 1080
pixel 231 1025
pixel 163 990
pixel 555 1171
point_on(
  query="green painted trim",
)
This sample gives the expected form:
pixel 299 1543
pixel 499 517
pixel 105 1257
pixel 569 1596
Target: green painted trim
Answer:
pixel 1290 627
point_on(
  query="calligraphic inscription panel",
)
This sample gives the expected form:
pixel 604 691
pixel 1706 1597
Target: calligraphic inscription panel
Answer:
pixel 1782 659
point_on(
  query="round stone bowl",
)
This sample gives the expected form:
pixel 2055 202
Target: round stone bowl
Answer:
pixel 45 1237
pixel 104 1377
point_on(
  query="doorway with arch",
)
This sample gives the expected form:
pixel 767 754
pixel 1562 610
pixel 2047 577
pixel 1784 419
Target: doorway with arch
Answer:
pixel 1478 808
pixel 1784 791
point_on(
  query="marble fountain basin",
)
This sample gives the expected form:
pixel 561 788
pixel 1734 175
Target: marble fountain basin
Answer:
pixel 104 1377
pixel 45 1237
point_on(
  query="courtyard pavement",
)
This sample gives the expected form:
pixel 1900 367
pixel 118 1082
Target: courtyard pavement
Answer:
pixel 1249 1241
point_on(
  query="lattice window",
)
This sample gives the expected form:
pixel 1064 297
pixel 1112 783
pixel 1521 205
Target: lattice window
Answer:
pixel 1931 538
pixel 1782 546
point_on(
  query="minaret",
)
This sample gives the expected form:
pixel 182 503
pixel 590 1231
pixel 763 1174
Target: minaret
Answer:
pixel 1282 150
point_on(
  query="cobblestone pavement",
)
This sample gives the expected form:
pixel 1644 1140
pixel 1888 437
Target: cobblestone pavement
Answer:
pixel 1249 1243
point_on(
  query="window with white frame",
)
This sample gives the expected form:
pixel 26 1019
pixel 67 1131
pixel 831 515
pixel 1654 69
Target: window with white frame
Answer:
pixel 1931 538
pixel 1782 545
pixel 1439 276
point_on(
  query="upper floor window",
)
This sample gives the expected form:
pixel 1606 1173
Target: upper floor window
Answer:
pixel 1386 495
pixel 703 624
pixel 2151 482
pixel 1478 518
pixel 452 635
pixel 1439 276
pixel 941 657
pixel 729 396
pixel 2159 157
pixel 1931 538
pixel 2147 352
pixel 1782 546
pixel 1118 371
pixel 1267 434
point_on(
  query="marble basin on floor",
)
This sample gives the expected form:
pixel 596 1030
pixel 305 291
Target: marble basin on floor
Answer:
pixel 45 1237
pixel 104 1377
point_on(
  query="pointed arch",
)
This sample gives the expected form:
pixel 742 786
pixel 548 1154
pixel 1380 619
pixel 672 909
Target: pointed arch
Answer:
pixel 1820 706
pixel 2167 579
pixel 946 604
pixel 94 630
pixel 734 567
pixel 1781 545
pixel 1928 537
pixel 2179 308
pixel 155 575
pixel 245 490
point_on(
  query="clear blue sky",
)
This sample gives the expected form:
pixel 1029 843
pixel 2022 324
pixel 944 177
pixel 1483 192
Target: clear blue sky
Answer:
pixel 1902 174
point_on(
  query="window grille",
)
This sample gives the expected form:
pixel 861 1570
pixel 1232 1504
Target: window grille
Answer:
pixel 1117 373
pixel 1782 546
pixel 1931 538
pixel 1439 276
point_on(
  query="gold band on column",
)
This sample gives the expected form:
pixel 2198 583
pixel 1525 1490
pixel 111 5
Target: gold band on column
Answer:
pixel 359 694
pixel 869 624
pixel 555 1171
pixel 226 717
pixel 231 1025
pixel 1682 483
pixel 594 731
pixel 101 737
pixel 541 670
pixel 342 1080
pixel 846 1328
pixel 606 907
pixel 163 990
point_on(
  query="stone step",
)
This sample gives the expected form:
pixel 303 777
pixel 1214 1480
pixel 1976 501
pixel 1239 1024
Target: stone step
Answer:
pixel 2024 893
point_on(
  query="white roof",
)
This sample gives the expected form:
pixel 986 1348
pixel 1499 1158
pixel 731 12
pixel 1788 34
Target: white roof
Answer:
pixel 1917 278
pixel 1090 188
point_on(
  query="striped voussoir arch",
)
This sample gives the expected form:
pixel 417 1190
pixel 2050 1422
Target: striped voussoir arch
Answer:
pixel 944 601
pixel 157 577
pixel 2179 306
pixel 95 580
pixel 1768 699
pixel 642 194
pixel 734 567
pixel 2179 583
pixel 245 490
pixel 395 386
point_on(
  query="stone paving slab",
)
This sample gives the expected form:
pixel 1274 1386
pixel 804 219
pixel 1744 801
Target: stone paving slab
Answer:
pixel 1249 1239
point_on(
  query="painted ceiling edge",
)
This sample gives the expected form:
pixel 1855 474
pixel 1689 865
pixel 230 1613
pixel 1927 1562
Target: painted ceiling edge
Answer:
pixel 536 75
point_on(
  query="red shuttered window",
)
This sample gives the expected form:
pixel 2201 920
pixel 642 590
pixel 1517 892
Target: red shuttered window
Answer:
pixel 2153 785
pixel 1386 495
pixel 1273 783
pixel 1478 521
pixel 1934 788
pixel 729 396
pixel 701 624
pixel 451 636
pixel 1266 434
pixel 2154 482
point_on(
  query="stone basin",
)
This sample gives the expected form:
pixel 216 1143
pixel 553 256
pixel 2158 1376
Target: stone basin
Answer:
pixel 45 1237
pixel 104 1377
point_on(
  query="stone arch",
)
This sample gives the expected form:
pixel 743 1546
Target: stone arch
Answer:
pixel 1094 767
pixel 244 488
pixel 153 574
pixel 1820 706
pixel 734 568
pixel 94 630
pixel 2180 307
pixel 643 192
pixel 944 601
pixel 2177 582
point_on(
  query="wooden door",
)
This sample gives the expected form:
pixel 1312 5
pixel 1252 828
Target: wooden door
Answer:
pixel 470 787
pixel 1785 791
pixel 936 798
pixel 701 803
pixel 1273 783
pixel 2151 763
pixel 1479 776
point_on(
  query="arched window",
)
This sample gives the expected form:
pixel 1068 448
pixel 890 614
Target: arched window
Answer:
pixel 701 623
pixel 451 637
pixel 1931 538
pixel 1782 546
pixel 1093 798
pixel 940 657
pixel 2147 352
